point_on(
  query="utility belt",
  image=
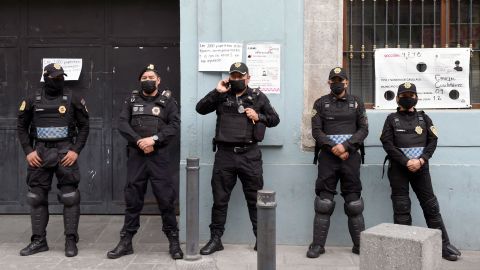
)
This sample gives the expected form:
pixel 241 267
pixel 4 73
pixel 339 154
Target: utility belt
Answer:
pixel 54 144
pixel 233 147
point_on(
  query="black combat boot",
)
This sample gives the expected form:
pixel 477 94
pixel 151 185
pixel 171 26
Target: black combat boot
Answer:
pixel 71 249
pixel 214 245
pixel 174 245
pixel 38 244
pixel 123 248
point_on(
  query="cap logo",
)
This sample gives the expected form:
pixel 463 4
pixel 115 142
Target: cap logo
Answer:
pixel 238 64
pixel 151 66
pixel 407 85
pixel 57 66
pixel 337 70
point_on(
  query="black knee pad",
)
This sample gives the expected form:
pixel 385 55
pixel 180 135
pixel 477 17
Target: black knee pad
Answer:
pixel 431 207
pixel 401 205
pixel 324 206
pixel 354 208
pixel 70 198
pixel 35 198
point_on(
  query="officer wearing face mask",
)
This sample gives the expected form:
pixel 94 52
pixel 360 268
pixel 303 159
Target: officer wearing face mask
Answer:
pixel 339 127
pixel 243 114
pixel 148 121
pixel 53 128
pixel 410 138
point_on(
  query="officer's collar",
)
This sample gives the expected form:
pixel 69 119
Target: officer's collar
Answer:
pixel 149 98
pixel 335 98
pixel 247 92
pixel 407 112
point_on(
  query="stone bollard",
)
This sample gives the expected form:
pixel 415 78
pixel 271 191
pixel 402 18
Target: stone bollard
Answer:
pixel 266 230
pixel 192 209
pixel 399 247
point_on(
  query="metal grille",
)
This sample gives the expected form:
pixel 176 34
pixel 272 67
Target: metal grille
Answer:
pixel 375 24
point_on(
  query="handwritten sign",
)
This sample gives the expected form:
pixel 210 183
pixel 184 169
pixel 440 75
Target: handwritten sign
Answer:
pixel 263 61
pixel 218 56
pixel 71 66
pixel 441 76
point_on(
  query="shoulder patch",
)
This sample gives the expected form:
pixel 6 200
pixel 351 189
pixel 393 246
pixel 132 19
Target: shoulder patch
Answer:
pixel 434 130
pixel 314 112
pixel 22 106
pixel 167 93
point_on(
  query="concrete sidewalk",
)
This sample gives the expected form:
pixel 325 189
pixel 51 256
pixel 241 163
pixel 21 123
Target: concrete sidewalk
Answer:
pixel 98 234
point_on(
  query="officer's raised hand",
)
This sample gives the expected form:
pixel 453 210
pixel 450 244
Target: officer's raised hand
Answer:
pixel 34 159
pixel 223 85
pixel 252 114
pixel 69 158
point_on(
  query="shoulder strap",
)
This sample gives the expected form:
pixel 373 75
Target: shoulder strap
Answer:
pixel 38 95
pixel 134 96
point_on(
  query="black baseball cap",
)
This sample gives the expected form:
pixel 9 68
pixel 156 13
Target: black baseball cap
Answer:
pixel 338 72
pixel 239 67
pixel 53 70
pixel 150 67
pixel 406 87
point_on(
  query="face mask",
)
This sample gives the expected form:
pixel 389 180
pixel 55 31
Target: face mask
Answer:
pixel 148 86
pixel 237 86
pixel 54 86
pixel 337 88
pixel 407 102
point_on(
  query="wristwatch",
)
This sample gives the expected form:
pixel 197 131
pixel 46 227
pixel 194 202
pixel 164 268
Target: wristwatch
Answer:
pixel 155 138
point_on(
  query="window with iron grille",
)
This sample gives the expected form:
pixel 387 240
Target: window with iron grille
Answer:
pixel 371 24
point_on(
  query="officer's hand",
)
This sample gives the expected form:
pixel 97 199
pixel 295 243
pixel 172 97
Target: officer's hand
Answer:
pixel 145 142
pixel 34 159
pixel 344 156
pixel 338 149
pixel 252 114
pixel 222 86
pixel 69 159
pixel 414 165
pixel 148 149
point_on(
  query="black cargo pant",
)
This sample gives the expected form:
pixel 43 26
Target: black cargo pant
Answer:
pixel 40 179
pixel 141 168
pixel 400 178
pixel 332 169
pixel 232 162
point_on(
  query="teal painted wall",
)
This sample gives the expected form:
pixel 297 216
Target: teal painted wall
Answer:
pixel 455 166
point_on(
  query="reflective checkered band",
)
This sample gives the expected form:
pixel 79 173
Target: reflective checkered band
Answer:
pixel 339 138
pixel 52 132
pixel 412 153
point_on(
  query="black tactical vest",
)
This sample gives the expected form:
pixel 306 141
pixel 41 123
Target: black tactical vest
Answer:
pixel 148 117
pixel 53 119
pixel 233 125
pixel 340 120
pixel 410 136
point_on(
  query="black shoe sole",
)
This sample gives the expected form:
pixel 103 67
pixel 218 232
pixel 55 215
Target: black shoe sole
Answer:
pixel 120 255
pixel 313 256
pixel 35 251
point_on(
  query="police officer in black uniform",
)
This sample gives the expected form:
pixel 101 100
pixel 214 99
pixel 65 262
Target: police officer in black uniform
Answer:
pixel 339 127
pixel 410 138
pixel 149 120
pixel 243 114
pixel 53 128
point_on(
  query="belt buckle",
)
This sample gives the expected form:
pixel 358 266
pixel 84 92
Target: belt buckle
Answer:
pixel 238 149
pixel 50 144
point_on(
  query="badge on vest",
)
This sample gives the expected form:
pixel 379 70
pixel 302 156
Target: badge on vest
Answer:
pixel 156 111
pixel 62 109
pixel 419 130
pixel 22 106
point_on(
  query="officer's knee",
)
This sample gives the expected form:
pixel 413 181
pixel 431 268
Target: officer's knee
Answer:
pixel 35 198
pixel 324 206
pixel 354 208
pixel 70 198
pixel 401 205
pixel 431 207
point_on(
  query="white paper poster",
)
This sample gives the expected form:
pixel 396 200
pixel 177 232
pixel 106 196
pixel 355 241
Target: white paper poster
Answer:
pixel 218 56
pixel 263 61
pixel 441 76
pixel 71 66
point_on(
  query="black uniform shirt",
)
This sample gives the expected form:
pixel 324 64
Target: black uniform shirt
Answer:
pixel 170 116
pixel 358 127
pixel 388 134
pixel 214 99
pixel 80 114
